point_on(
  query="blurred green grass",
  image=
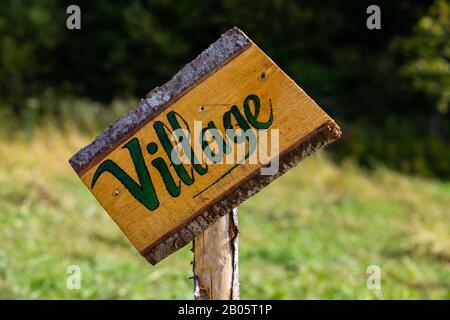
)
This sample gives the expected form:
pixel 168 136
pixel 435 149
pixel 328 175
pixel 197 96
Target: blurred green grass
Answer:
pixel 309 235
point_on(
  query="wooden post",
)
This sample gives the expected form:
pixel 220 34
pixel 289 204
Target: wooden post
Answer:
pixel 216 273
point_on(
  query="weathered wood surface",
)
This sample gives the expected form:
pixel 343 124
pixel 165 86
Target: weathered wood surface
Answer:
pixel 222 76
pixel 216 273
pixel 317 139
pixel 216 55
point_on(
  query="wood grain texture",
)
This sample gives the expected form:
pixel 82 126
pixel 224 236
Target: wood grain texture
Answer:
pixel 185 234
pixel 303 128
pixel 216 55
pixel 216 274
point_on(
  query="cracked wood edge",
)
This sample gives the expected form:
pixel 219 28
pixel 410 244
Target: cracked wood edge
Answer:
pixel 325 134
pixel 227 47
pixel 215 266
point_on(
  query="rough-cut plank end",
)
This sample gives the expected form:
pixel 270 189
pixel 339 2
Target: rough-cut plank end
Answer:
pixel 325 134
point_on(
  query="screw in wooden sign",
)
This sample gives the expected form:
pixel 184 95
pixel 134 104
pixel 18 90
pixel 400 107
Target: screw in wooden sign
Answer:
pixel 164 185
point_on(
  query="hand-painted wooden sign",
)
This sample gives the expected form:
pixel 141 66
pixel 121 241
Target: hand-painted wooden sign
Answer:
pixel 162 184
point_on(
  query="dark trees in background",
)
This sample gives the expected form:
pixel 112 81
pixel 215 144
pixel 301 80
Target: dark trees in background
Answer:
pixel 382 84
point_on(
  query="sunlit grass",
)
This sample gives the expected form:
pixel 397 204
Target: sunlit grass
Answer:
pixel 310 234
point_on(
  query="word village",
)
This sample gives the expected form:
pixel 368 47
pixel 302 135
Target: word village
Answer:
pixel 235 144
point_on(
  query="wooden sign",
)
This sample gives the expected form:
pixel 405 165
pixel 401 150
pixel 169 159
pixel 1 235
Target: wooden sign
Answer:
pixel 162 183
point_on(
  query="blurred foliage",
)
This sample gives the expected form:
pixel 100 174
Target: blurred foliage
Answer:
pixel 28 34
pixel 125 48
pixel 429 48
pixel 407 149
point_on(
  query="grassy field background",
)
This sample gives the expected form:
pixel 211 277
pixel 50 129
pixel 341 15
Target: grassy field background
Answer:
pixel 311 234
